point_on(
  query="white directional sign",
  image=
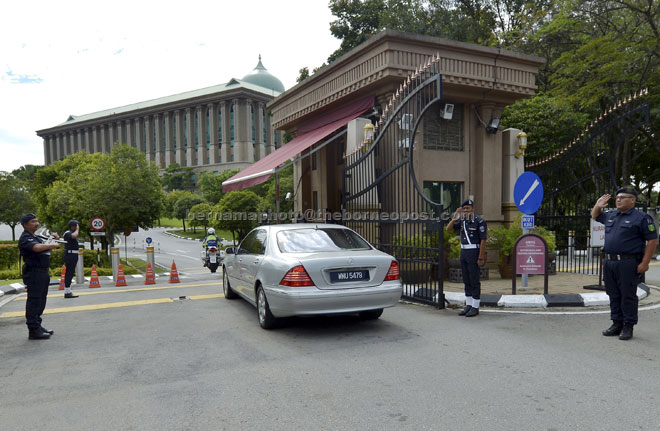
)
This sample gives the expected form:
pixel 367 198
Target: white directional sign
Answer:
pixel 527 222
pixel 97 223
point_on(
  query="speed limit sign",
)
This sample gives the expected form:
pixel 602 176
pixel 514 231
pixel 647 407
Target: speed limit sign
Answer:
pixel 97 223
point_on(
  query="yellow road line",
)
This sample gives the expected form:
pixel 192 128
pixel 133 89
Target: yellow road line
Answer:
pixel 140 289
pixel 109 305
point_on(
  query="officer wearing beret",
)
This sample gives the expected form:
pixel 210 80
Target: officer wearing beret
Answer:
pixel 36 276
pixel 70 256
pixel 630 240
pixel 473 252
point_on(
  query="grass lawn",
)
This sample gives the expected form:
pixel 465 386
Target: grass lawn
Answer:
pixel 140 265
pixel 170 222
pixel 7 282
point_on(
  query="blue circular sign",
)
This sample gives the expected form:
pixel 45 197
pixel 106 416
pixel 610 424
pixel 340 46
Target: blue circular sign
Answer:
pixel 528 193
pixel 148 240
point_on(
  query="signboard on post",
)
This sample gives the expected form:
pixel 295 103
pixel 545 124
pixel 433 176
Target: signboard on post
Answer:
pixel 530 257
pixel 527 222
pixel 148 240
pixel 97 224
pixel 597 238
pixel 528 192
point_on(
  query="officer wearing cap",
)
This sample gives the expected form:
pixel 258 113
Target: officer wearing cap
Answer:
pixel 70 256
pixel 473 252
pixel 630 240
pixel 36 276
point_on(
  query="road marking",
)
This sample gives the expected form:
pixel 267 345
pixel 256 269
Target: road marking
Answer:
pixel 138 289
pixel 94 307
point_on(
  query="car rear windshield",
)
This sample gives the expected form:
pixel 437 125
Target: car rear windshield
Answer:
pixel 324 239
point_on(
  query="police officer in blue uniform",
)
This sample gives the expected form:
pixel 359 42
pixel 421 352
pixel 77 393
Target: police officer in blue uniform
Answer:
pixel 70 256
pixel 36 276
pixel 630 241
pixel 473 253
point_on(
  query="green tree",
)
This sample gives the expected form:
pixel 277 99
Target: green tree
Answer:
pixel 170 200
pixel 237 212
pixel 15 200
pixel 176 177
pixel 183 205
pixel 268 201
pixel 210 185
pixel 199 215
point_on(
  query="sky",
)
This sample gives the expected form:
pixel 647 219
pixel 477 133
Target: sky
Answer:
pixel 78 57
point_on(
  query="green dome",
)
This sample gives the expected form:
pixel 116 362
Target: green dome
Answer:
pixel 260 76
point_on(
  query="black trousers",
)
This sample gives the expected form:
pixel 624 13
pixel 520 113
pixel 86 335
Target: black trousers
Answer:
pixel 470 270
pixel 70 261
pixel 621 280
pixel 36 283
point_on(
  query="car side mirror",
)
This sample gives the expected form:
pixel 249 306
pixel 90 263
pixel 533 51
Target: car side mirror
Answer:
pixel 229 250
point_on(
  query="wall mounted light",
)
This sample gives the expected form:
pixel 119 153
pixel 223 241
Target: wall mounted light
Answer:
pixel 448 111
pixel 522 144
pixel 493 125
pixel 368 133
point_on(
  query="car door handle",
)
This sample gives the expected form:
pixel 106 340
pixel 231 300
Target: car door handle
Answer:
pixel 256 261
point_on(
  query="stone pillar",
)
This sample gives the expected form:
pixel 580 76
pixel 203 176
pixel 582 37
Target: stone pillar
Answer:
pixel 213 132
pixel 149 141
pixel 46 151
pixel 104 138
pixel 80 145
pixel 159 152
pixel 169 140
pixel 56 154
pixel 180 156
pixel 139 134
pixel 112 137
pixel 86 141
pixel 202 152
pixel 191 156
pixel 130 133
pixel 226 135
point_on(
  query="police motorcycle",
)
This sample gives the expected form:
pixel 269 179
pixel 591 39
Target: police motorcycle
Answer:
pixel 211 254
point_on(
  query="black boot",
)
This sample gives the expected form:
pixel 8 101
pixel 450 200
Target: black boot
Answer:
pixel 626 332
pixel 47 331
pixel 465 310
pixel 615 329
pixel 473 312
pixel 38 334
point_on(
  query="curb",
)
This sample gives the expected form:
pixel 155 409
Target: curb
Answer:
pixel 544 301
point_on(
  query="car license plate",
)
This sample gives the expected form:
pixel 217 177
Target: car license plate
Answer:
pixel 343 276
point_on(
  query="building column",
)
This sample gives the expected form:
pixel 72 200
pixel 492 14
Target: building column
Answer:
pixel 226 148
pixel 46 151
pixel 180 151
pixel 190 138
pixel 139 142
pixel 202 152
pixel 169 140
pixel 112 137
pixel 159 151
pixel 213 132
pixel 129 133
pixel 149 141
pixel 86 140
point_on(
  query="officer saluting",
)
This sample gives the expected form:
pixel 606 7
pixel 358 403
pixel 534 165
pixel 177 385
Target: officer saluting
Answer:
pixel 70 256
pixel 36 275
pixel 473 251
pixel 630 240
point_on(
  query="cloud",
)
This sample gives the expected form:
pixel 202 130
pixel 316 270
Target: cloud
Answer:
pixel 22 79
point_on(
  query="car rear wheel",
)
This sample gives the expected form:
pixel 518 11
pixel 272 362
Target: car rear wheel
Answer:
pixel 266 318
pixel 371 314
pixel 226 287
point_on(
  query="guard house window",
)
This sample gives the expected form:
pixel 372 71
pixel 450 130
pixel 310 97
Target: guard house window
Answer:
pixel 441 134
pixel 447 194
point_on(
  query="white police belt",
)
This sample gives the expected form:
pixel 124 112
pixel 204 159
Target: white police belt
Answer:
pixel 469 246
pixel 72 251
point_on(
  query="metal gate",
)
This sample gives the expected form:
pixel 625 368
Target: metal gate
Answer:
pixel 576 176
pixel 382 199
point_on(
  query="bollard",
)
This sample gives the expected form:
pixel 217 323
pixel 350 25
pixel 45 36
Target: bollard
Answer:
pixel 133 244
pixel 80 268
pixel 150 256
pixel 571 247
pixel 114 252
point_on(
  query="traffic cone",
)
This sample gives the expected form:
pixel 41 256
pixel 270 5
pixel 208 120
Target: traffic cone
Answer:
pixel 94 278
pixel 174 274
pixel 121 279
pixel 62 282
pixel 149 278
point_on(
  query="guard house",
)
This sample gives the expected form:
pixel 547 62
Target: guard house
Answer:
pixel 459 150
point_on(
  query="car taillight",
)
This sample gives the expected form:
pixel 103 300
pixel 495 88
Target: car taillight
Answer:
pixel 212 250
pixel 393 272
pixel 297 277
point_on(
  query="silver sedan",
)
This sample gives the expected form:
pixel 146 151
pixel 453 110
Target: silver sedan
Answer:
pixel 306 269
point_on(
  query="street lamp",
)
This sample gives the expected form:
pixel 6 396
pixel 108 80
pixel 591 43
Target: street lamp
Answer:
pixel 522 144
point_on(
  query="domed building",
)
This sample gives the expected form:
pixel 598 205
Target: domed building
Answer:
pixel 216 128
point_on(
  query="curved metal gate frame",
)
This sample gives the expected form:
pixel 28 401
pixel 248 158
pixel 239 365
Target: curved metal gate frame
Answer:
pixel 576 176
pixel 382 199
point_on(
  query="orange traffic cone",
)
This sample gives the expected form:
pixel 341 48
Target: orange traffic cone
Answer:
pixel 62 282
pixel 174 274
pixel 94 278
pixel 121 279
pixel 149 277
